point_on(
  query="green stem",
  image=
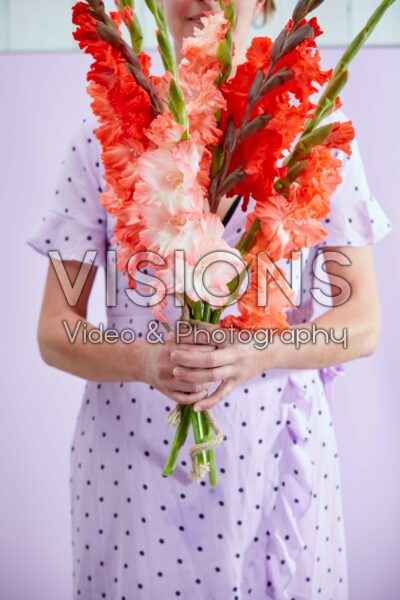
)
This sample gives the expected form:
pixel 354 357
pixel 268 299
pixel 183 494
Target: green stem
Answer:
pixel 224 55
pixel 201 428
pixel 135 31
pixel 197 311
pixel 209 453
pixel 338 81
pixel 248 239
pixel 176 101
pixel 215 316
pixel 178 441
pixel 198 433
pixel 360 39
pixel 206 312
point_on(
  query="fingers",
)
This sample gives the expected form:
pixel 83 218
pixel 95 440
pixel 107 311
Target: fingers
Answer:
pixel 183 398
pixel 203 360
pixel 202 334
pixel 216 397
pixel 208 376
pixel 188 387
pixel 172 346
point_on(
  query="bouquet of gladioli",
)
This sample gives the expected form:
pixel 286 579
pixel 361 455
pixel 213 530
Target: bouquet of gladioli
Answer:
pixel 174 146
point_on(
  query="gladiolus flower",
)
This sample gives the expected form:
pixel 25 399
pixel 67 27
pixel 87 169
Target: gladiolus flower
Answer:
pixel 168 177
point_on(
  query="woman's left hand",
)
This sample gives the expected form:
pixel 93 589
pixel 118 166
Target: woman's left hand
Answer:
pixel 232 362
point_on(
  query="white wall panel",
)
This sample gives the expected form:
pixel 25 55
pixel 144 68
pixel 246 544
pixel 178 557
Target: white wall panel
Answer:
pixel 45 25
pixel 40 25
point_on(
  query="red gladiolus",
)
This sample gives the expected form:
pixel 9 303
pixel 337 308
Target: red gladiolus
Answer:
pixel 289 104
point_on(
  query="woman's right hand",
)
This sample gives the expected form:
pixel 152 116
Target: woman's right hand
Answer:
pixel 158 372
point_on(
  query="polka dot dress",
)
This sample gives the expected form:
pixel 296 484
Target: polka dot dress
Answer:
pixel 273 526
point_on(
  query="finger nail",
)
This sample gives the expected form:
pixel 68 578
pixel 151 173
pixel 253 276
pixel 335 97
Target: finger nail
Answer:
pixel 176 371
pixel 197 408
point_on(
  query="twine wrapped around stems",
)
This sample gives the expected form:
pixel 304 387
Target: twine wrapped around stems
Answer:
pixel 198 472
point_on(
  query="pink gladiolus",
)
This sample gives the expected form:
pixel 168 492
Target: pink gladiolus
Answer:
pixel 166 232
pixel 201 48
pixel 168 177
pixel 164 131
pixel 203 99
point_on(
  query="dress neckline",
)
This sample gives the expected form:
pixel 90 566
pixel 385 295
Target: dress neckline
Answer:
pixel 231 211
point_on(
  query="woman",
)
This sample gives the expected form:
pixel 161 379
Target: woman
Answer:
pixel 273 526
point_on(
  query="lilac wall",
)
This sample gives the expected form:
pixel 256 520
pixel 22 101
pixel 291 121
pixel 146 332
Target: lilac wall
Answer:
pixel 43 99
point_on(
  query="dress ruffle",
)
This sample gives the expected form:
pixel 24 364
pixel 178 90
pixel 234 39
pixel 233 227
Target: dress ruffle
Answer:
pixel 295 481
pixel 327 375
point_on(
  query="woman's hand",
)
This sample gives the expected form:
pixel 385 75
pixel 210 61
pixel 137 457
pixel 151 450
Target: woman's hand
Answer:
pixel 158 372
pixel 231 362
pixel 235 362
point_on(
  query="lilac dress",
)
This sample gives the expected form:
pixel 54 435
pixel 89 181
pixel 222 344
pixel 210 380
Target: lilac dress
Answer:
pixel 273 526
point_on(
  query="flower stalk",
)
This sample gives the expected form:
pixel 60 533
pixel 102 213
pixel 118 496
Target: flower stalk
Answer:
pixel 107 31
pixel 223 181
pixel 202 432
pixel 176 101
pixel 134 28
pixel 179 440
pixel 326 104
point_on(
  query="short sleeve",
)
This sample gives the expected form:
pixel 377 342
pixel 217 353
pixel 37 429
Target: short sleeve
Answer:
pixel 356 218
pixel 76 222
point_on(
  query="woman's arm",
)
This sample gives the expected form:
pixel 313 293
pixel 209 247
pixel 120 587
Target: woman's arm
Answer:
pixel 360 316
pixel 235 363
pixel 103 362
pixel 96 362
